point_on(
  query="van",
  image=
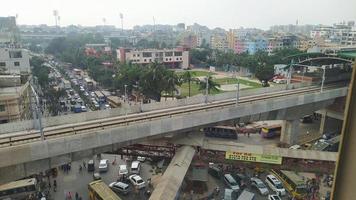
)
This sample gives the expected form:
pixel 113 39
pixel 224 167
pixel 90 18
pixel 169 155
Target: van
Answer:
pixel 135 167
pixel 231 182
pixel 246 195
pixel 275 185
pixel 91 166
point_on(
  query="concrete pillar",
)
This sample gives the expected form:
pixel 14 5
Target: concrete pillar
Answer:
pixel 290 131
pixel 322 123
pixel 329 124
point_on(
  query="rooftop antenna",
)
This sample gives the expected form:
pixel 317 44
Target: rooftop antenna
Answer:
pixel 122 21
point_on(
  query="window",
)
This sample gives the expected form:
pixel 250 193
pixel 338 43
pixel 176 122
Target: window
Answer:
pixel 2 108
pixel 17 64
pixel 2 64
pixel 144 60
pixel 177 53
pixel 168 54
pixel 147 54
pixel 15 54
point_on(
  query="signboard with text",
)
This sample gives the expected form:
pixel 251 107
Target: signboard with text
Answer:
pixel 252 157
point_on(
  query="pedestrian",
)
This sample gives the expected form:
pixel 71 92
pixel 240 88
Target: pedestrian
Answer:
pixel 80 198
pixel 84 164
pixel 49 184
pixel 248 134
pixel 76 196
pixel 54 185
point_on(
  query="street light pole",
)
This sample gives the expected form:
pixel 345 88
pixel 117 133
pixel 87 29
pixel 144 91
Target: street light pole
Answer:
pixel 207 89
pixel 322 79
pixel 237 91
pixel 125 93
pixel 289 73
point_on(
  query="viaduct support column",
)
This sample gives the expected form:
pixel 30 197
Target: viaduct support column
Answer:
pixel 329 124
pixel 290 131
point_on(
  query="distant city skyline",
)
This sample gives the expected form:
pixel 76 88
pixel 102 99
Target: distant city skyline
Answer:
pixel 223 13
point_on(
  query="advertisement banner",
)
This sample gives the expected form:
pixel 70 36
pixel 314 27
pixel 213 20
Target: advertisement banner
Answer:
pixel 252 157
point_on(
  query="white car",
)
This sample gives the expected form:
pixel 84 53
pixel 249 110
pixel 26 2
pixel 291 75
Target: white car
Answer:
pixel 259 185
pixel 296 146
pixel 119 187
pixel 141 159
pixel 274 197
pixel 84 109
pixel 137 181
pixel 104 165
pixel 123 170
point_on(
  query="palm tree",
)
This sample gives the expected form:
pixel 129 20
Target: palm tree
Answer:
pixel 188 77
pixel 172 80
pixel 213 86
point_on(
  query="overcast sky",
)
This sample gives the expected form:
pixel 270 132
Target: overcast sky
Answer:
pixel 212 13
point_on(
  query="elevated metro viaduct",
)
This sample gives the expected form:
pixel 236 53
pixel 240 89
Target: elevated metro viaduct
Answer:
pixel 21 160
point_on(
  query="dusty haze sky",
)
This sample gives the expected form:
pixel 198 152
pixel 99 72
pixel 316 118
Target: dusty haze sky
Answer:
pixel 212 13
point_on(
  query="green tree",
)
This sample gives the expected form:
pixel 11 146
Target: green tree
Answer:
pixel 188 77
pixel 213 86
pixel 151 80
pixel 171 82
pixel 264 72
pixel 40 71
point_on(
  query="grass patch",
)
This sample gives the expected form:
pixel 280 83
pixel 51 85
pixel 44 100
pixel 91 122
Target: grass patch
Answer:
pixel 227 81
pixel 196 73
pixel 194 90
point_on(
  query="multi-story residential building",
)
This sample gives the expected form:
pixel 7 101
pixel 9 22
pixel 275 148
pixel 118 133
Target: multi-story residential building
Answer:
pixel 321 31
pixel 175 58
pixel 340 33
pixel 9 32
pixel 189 41
pixel 219 42
pixel 14 99
pixel 349 38
pixel 274 44
pixel 14 61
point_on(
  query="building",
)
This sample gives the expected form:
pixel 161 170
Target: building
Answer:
pixel 9 32
pixel 14 61
pixel 189 41
pixel 14 99
pixel 219 42
pixel 96 50
pixel 349 38
pixel 174 58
